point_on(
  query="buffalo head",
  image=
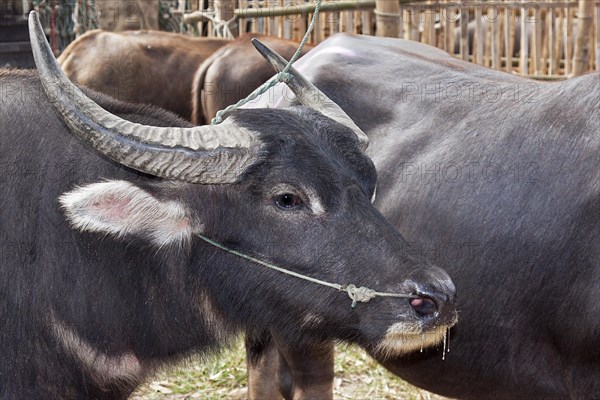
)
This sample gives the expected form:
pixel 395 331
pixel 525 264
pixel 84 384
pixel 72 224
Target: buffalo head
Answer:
pixel 291 187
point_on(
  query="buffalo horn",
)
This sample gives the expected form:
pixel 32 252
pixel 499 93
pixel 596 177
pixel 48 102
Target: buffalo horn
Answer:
pixel 210 154
pixel 309 95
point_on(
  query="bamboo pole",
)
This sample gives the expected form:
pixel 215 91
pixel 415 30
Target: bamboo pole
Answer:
pixel 567 39
pixel 479 29
pixel 597 37
pixel 545 45
pixel 495 21
pixel 366 23
pixel 585 21
pixel 209 24
pixel 242 22
pixel 551 41
pixel 464 34
pixel 254 23
pixel 279 22
pixel 415 24
pixel 558 29
pixel 401 27
pixel 535 41
pixel 524 67
pixel 446 21
pixel 508 39
pixel 387 18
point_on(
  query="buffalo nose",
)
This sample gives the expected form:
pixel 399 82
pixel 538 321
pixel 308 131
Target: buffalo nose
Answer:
pixel 424 306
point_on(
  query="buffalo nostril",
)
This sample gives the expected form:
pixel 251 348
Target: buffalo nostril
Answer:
pixel 424 306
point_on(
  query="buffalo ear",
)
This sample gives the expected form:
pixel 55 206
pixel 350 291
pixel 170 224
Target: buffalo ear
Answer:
pixel 120 208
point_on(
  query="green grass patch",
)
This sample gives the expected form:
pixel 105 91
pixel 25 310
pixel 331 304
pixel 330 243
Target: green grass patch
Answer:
pixel 357 377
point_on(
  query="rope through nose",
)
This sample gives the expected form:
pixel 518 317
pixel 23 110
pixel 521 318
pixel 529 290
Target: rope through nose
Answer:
pixel 357 294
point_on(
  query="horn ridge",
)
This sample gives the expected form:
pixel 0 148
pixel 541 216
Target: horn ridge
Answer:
pixel 308 94
pixel 194 155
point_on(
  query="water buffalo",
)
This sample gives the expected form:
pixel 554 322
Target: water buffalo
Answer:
pixel 148 67
pixel 495 177
pixel 192 77
pixel 232 73
pixel 126 246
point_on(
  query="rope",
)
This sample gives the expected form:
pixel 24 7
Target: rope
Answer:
pixel 357 294
pixel 283 76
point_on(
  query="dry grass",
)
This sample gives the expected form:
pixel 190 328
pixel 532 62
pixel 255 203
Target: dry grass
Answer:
pixel 358 377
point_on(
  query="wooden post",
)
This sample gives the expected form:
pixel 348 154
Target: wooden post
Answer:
pixel 387 17
pixel 567 39
pixel 535 39
pixel 416 17
pixel 558 29
pixel 585 22
pixel 224 12
pixel 495 21
pixel 597 37
pixel 448 22
pixel 551 41
pixel 464 34
pixel 479 32
pixel 524 42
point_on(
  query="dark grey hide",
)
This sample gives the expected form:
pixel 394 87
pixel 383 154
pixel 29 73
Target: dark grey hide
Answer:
pixel 101 285
pixel 497 179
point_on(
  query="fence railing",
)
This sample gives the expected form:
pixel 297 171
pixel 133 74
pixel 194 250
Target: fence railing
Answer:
pixel 532 38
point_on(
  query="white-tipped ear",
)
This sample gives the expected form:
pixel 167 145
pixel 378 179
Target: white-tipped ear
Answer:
pixel 120 208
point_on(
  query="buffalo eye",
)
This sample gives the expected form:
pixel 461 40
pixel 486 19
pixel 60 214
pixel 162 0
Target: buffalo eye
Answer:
pixel 288 201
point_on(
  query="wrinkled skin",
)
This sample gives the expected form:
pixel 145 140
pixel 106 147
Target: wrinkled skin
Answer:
pixel 496 178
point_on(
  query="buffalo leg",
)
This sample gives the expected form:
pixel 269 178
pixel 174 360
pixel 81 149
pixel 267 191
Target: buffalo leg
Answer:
pixel 301 374
pixel 262 362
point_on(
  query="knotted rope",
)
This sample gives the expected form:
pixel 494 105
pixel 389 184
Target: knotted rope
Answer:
pixel 360 294
pixel 283 76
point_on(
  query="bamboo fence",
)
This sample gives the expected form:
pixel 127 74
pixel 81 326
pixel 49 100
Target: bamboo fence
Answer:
pixel 532 38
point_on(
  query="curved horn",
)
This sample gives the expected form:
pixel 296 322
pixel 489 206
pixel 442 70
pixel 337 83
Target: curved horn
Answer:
pixel 308 94
pixel 204 154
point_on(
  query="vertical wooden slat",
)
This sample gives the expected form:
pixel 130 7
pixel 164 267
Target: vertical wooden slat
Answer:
pixel 254 24
pixel 243 4
pixel 545 44
pixel 534 25
pixel 551 41
pixel 211 6
pixel 558 34
pixel 597 37
pixel 585 32
pixel 343 22
pixel 387 17
pixel 567 39
pixel 508 41
pixel 524 61
pixel 446 24
pixel 416 19
pixel 430 23
pixel 409 23
pixel 495 21
pixel 279 22
pixel 464 33
pixel 366 23
pixel 401 25
pixel 479 30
